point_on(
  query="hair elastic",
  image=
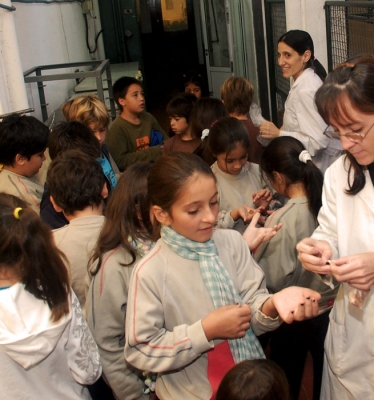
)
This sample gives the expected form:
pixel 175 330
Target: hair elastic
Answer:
pixel 204 134
pixel 304 156
pixel 16 212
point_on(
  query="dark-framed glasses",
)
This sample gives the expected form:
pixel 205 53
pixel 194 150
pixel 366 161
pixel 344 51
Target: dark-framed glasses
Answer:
pixel 353 136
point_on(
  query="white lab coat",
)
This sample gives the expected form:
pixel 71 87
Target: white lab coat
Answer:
pixel 347 223
pixel 302 121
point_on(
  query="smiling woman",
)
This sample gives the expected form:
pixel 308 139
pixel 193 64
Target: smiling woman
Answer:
pixel 346 101
pixel 301 119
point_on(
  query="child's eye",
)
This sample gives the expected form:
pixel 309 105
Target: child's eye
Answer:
pixel 191 212
pixel 214 203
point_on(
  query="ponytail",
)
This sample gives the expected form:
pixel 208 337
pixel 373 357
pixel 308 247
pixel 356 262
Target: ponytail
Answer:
pixel 28 248
pixel 288 156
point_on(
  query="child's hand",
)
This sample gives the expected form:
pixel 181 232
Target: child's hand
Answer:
pixel 228 322
pixel 292 304
pixel 244 212
pixel 262 198
pixel 255 236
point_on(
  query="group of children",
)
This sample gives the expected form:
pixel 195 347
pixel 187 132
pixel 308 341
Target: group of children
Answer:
pixel 163 288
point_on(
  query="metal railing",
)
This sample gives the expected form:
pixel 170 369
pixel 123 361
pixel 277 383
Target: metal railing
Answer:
pixel 349 30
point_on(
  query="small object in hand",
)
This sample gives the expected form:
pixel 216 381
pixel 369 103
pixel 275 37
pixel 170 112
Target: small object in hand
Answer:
pixel 357 297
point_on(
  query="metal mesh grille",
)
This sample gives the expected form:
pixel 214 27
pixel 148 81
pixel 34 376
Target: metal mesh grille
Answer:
pixel 278 20
pixel 351 28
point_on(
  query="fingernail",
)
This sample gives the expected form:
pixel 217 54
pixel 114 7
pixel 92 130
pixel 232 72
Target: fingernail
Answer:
pixel 313 301
pixel 308 298
pixel 302 304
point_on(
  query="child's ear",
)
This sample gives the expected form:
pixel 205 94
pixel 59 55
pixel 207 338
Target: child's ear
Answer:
pixel 55 206
pixel 19 160
pixel 104 191
pixel 161 215
pixel 122 101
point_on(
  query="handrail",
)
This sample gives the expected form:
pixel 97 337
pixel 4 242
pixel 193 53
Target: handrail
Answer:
pixel 9 8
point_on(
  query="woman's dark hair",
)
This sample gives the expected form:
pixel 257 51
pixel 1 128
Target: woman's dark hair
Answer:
pixel 126 214
pixel 225 135
pixel 282 155
pixel 254 380
pixel 170 173
pixel 350 85
pixel 206 112
pixel 27 247
pixel 301 41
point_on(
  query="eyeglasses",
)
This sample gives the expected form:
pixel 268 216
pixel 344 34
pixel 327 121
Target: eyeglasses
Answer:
pixel 353 136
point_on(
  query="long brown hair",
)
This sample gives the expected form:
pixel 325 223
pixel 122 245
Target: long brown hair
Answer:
pixel 28 248
pixel 126 214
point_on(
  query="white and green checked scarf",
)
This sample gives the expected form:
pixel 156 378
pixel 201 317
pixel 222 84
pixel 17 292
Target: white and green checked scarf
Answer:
pixel 219 285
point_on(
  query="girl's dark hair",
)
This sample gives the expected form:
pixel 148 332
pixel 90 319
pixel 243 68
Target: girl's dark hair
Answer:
pixel 28 248
pixel 254 380
pixel 197 79
pixel 282 155
pixel 206 112
pixel 350 85
pixel 169 174
pixel 301 41
pixel 126 214
pixel 225 135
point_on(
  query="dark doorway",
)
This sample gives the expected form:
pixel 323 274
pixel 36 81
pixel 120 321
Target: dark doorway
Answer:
pixel 169 48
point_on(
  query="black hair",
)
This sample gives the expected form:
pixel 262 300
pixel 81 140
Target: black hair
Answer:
pixel 121 86
pixel 282 155
pixel 23 135
pixel 197 79
pixel 254 380
pixel 75 181
pixel 300 41
pixel 225 135
pixel 181 105
pixel 73 135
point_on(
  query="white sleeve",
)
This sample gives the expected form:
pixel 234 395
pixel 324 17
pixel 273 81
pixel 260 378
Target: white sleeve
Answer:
pixel 83 355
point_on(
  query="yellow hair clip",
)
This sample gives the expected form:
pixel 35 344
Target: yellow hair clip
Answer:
pixel 16 212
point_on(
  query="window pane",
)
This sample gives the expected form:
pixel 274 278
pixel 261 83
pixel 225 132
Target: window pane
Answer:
pixel 174 15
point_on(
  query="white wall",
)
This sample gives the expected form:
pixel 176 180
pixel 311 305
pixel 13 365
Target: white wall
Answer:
pixel 309 15
pixel 53 34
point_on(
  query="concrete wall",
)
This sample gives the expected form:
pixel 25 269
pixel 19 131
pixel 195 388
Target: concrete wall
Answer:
pixel 54 34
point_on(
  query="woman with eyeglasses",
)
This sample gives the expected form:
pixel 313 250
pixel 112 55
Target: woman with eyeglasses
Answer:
pixel 342 245
pixel 301 119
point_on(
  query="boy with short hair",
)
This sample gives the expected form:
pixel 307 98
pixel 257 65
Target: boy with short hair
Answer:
pixel 237 94
pixel 135 135
pixel 179 109
pixel 23 140
pixel 66 136
pixel 77 188
pixel 91 111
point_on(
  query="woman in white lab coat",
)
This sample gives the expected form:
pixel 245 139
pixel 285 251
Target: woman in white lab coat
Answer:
pixel 301 119
pixel 342 245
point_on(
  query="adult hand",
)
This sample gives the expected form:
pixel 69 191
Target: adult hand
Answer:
pixel 293 304
pixel 314 255
pixel 268 130
pixel 357 270
pixel 255 236
pixel 227 322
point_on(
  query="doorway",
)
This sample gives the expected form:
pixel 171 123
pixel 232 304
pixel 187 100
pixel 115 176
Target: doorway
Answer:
pixel 169 48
